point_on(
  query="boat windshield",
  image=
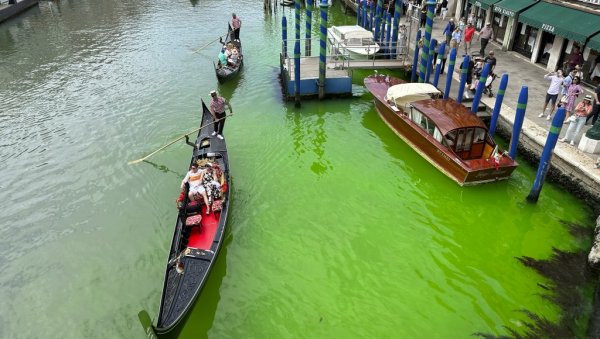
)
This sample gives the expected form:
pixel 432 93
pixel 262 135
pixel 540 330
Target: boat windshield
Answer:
pixel 359 42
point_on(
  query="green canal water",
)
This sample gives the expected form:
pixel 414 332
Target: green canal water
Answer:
pixel 337 229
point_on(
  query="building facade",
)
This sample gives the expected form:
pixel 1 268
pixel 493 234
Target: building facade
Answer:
pixel 545 31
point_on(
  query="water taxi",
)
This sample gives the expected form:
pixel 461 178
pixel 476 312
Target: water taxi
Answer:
pixel 443 131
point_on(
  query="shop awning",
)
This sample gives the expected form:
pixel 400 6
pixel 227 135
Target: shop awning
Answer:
pixel 562 21
pixel 510 8
pixel 594 42
pixel 484 4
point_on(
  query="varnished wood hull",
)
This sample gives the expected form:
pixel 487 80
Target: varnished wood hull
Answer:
pixel 463 172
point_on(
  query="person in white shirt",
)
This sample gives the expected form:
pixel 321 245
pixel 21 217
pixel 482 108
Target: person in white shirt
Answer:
pixel 556 80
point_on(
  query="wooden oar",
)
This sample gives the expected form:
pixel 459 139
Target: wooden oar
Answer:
pixel 174 141
pixel 208 44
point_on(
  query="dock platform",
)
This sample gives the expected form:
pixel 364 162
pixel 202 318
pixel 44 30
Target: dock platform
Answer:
pixel 338 80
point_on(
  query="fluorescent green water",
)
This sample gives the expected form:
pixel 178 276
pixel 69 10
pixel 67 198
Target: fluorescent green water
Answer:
pixel 337 228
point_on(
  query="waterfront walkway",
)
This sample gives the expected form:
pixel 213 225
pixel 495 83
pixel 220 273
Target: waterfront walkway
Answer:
pixel 521 72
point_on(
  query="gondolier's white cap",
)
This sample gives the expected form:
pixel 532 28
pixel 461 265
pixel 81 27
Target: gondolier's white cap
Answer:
pixel 213 92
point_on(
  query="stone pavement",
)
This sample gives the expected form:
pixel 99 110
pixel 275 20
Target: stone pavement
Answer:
pixel 521 72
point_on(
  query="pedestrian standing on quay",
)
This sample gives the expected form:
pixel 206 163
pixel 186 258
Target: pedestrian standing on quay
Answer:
pixel 582 110
pixel 596 108
pixel 468 37
pixel 448 30
pixel 485 35
pixel 572 93
pixel 236 24
pixel 217 109
pixel 556 80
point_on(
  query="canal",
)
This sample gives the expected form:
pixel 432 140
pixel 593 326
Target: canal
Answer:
pixel 336 229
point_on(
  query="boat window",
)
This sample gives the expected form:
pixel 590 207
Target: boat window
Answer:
pixel 415 116
pixel 479 135
pixel 450 139
pixel 437 135
pixel 430 127
pixel 353 42
pixel 464 139
pixel 367 41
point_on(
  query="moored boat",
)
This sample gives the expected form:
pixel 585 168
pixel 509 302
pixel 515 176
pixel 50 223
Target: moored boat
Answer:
pixel 353 41
pixel 444 132
pixel 230 66
pixel 196 240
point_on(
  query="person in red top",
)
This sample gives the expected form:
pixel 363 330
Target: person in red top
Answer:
pixel 236 24
pixel 217 109
pixel 469 32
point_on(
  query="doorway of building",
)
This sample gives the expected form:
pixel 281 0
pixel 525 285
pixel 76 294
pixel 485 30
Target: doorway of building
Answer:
pixel 546 47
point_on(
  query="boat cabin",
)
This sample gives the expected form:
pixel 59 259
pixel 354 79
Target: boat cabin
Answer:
pixel 353 35
pixel 450 123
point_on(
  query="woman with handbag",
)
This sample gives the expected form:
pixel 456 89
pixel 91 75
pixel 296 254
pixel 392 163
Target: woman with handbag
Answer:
pixel 578 120
pixel 572 93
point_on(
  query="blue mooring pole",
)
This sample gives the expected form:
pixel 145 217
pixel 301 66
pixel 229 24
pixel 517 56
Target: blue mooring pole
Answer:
pixel 358 14
pixel 540 175
pixel 397 9
pixel 464 70
pixel 388 35
pixel 372 14
pixel 432 46
pixel 449 73
pixel 498 104
pixel 378 20
pixel 426 41
pixel 413 75
pixel 519 116
pixel 322 49
pixel 297 57
pixel 308 28
pixel 364 14
pixel 438 63
pixel 284 35
pixel 480 87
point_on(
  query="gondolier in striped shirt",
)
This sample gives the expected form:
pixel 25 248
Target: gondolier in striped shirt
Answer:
pixel 236 24
pixel 217 109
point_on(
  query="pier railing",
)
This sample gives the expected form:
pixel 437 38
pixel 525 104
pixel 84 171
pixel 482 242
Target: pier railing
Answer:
pixel 390 55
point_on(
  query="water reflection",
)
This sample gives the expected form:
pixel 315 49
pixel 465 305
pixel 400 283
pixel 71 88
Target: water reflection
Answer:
pixel 308 133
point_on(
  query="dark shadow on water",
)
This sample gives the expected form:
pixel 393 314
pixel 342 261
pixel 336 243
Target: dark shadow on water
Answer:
pixel 164 168
pixel 572 280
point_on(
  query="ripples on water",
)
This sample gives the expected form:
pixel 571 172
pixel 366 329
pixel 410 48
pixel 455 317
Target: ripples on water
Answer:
pixel 337 227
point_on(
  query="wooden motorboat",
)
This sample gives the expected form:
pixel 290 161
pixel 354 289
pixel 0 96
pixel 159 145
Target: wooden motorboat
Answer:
pixel 444 132
pixel 353 42
pixel 232 67
pixel 196 240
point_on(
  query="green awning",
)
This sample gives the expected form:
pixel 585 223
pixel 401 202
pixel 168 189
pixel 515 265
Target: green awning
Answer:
pixel 594 42
pixel 484 4
pixel 510 8
pixel 562 21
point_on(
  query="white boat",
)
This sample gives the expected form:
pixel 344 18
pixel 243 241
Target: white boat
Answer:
pixel 354 42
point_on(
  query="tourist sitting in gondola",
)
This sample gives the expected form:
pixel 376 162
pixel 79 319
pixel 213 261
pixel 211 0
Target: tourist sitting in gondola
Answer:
pixel 211 186
pixel 222 57
pixel 197 189
pixel 234 58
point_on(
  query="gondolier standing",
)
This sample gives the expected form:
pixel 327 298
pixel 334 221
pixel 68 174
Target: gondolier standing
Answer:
pixel 217 109
pixel 236 24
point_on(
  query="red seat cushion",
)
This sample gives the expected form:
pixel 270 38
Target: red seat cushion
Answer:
pixel 193 220
pixel 217 205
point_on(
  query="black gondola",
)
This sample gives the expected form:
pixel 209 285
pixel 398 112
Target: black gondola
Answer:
pixel 230 69
pixel 194 248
